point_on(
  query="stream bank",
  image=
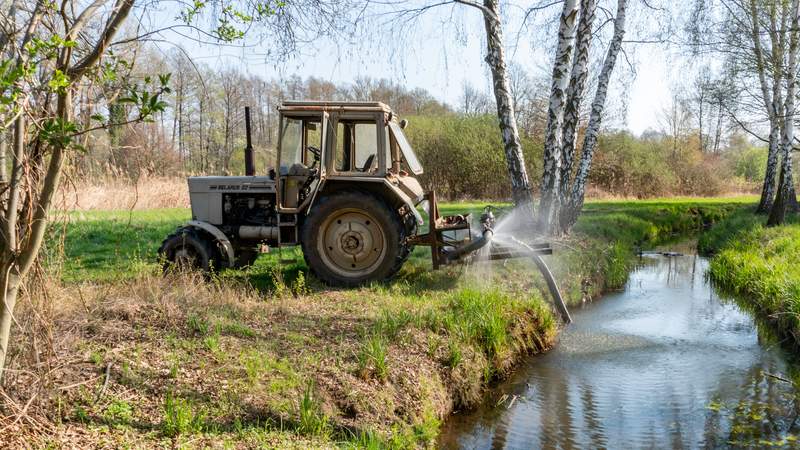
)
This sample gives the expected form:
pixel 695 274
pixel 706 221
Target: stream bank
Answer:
pixel 270 356
pixel 761 265
pixel 666 361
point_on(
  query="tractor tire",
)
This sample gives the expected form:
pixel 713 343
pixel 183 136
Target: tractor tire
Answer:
pixel 188 250
pixel 351 238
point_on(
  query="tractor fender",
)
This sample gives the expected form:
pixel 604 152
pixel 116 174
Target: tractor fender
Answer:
pixel 376 185
pixel 218 235
pixel 406 199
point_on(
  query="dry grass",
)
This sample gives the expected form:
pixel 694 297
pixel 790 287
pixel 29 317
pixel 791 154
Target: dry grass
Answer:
pixel 124 194
pixel 247 367
pixel 172 192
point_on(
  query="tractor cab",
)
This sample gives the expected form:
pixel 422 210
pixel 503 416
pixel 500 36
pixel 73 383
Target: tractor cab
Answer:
pixel 324 143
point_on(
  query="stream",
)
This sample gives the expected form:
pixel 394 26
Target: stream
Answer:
pixel 666 363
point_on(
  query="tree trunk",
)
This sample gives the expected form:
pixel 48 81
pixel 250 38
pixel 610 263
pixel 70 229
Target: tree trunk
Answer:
pixel 575 92
pixel 3 160
pixel 8 299
pixel 495 58
pixel 576 199
pixel 21 251
pixel 551 177
pixel 770 104
pixel 768 188
pixel 786 195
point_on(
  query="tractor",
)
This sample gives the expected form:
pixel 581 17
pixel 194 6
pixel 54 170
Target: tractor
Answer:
pixel 343 187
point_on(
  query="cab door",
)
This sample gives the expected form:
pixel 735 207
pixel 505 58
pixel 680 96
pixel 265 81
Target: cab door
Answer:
pixel 301 156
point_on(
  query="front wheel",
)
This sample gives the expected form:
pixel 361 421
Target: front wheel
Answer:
pixel 187 250
pixel 352 238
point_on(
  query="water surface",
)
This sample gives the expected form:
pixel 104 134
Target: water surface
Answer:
pixel 667 363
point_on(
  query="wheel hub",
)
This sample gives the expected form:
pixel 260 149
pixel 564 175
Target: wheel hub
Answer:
pixel 352 243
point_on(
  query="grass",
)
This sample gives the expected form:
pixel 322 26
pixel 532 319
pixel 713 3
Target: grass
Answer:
pixel 759 265
pixel 180 417
pixel 373 359
pixel 269 357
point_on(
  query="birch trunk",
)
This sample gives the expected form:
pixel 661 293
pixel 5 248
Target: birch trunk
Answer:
pixel 495 58
pixel 771 97
pixel 576 199
pixel 551 177
pixel 575 92
pixel 768 188
pixel 786 196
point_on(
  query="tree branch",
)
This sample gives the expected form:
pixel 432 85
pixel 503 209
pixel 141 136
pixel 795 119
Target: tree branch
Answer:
pixel 122 8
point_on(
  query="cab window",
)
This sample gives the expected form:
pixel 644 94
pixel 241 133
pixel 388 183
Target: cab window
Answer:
pixel 356 146
pixel 301 138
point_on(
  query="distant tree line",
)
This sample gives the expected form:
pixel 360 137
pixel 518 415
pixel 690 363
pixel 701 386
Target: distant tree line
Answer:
pixel 201 131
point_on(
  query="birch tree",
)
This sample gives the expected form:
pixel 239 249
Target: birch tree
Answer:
pixel 496 61
pixel 550 202
pixel 495 58
pixel 577 195
pixel 562 192
pixel 757 40
pixel 786 197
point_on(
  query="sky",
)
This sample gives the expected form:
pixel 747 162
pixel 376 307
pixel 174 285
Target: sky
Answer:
pixel 440 57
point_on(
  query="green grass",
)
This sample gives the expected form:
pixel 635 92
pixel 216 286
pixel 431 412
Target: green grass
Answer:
pixel 119 245
pixel 181 417
pixel 760 265
pixel 373 359
pixel 113 245
pixel 264 332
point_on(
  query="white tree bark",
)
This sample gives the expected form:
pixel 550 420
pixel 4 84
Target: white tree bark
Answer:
pixel 786 197
pixel 771 96
pixel 595 120
pixel 575 93
pixel 551 177
pixel 495 58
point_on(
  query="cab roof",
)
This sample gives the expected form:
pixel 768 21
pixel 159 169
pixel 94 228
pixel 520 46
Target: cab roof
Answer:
pixel 310 105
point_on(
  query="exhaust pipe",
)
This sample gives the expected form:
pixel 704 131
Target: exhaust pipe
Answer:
pixel 249 162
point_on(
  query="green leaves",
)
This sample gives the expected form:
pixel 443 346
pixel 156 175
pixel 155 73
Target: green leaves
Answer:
pixel 11 76
pixel 60 133
pixel 46 49
pixel 148 102
pixel 58 82
pixel 232 20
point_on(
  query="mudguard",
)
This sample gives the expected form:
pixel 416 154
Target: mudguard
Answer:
pixel 219 236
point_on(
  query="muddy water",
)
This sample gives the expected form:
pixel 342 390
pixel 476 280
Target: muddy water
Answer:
pixel 667 363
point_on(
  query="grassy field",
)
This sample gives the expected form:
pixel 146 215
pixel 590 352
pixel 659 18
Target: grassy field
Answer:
pixel 760 265
pixel 269 357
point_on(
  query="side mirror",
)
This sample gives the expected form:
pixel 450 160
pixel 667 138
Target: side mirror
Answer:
pixel 403 124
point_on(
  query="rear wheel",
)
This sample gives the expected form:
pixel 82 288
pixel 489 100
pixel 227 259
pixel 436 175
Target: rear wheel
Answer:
pixel 351 238
pixel 188 250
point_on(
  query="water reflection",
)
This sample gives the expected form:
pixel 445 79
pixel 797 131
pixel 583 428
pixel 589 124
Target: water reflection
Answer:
pixel 666 363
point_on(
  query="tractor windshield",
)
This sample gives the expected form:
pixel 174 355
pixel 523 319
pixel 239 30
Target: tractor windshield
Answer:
pixel 405 147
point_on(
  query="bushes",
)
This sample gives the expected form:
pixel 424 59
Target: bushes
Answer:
pixel 651 166
pixel 463 155
pixel 463 158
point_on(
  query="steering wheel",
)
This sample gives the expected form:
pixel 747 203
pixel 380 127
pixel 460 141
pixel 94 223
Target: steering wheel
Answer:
pixel 315 151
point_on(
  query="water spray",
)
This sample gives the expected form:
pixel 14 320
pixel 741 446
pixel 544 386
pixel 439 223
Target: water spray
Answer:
pixel 446 249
